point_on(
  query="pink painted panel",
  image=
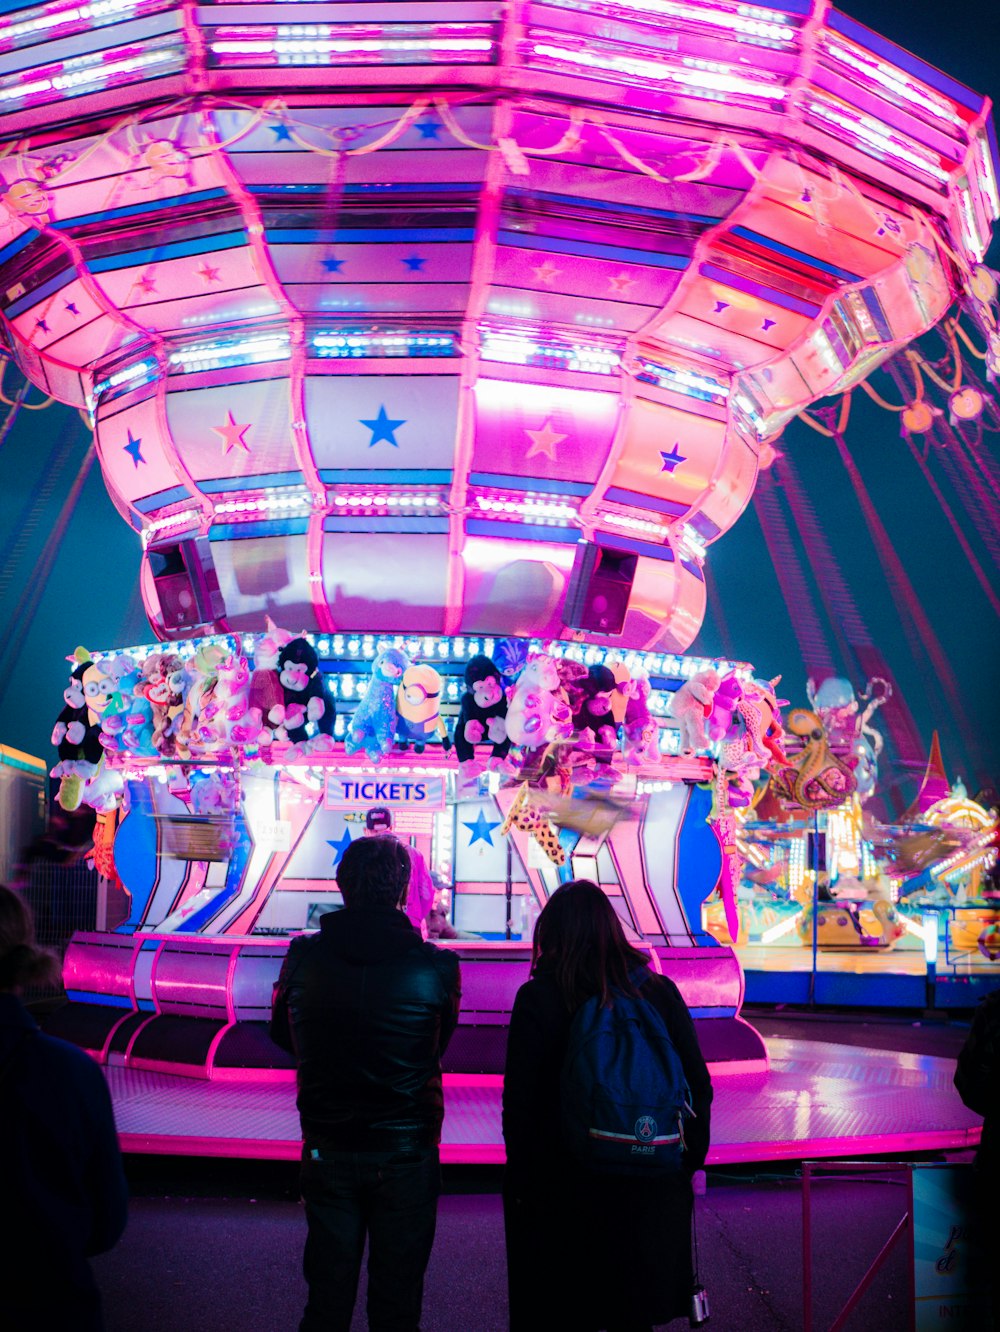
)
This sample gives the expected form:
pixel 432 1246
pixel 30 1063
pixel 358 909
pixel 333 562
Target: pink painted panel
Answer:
pixel 668 453
pixel 253 981
pixel 514 587
pixel 549 432
pixel 360 594
pixel 706 977
pixel 100 964
pixel 158 295
pixel 192 980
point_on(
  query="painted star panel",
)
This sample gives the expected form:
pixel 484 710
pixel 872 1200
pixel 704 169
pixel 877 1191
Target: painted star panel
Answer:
pixel 485 860
pixel 424 408
pixel 194 413
pixel 668 453
pixel 134 481
pixel 556 433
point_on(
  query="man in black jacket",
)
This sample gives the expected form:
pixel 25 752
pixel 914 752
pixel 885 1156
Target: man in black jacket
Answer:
pixel 367 1008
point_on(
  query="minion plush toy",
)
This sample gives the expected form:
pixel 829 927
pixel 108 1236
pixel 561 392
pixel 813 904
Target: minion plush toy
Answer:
pixel 418 705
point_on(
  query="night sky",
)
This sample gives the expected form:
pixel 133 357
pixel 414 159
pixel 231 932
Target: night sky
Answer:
pixel 89 593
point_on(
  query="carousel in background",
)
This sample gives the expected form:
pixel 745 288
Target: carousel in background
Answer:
pixel 427 357
pixel 822 872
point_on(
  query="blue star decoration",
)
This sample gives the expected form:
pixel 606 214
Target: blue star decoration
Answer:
pixel 332 264
pixel 41 324
pixel 340 846
pixel 280 132
pixel 132 449
pixel 672 459
pixel 481 830
pixel 415 263
pixel 428 128
pixel 383 428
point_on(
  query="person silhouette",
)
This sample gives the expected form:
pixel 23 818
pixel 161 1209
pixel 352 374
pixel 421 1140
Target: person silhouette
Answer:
pixel 64 1190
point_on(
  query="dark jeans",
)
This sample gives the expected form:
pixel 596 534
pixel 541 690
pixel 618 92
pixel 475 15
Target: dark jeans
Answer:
pixel 392 1198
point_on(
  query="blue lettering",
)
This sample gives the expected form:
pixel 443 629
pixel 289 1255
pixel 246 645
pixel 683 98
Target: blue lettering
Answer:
pixel 366 791
pixel 394 791
pixel 421 790
pixel 380 788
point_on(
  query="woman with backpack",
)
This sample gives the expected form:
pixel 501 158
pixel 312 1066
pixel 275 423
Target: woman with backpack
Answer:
pixel 597 1193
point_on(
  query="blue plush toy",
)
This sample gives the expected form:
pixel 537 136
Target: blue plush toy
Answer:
pixel 374 722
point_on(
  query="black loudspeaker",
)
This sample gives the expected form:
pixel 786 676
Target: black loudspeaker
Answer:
pixel 599 589
pixel 187 587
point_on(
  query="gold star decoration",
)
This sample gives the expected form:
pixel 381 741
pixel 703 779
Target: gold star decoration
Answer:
pixel 232 434
pixel 544 440
pixel 546 272
pixel 621 283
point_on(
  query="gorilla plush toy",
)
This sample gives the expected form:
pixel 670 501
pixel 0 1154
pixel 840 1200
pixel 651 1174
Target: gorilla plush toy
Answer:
pixel 482 711
pixel 305 695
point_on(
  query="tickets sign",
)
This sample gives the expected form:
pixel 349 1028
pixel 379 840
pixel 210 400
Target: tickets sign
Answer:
pixel 387 790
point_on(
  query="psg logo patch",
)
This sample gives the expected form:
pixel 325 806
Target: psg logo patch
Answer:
pixel 645 1128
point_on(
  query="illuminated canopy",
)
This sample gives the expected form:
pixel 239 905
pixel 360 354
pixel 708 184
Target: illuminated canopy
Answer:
pixel 428 317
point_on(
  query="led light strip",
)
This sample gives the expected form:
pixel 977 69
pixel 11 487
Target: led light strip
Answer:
pixel 184 518
pixel 78 80
pixel 365 647
pixel 272 347
pixel 345 345
pixel 44 19
pixel 875 136
pixel 143 371
pixel 708 84
pixel 265 503
pixel 530 508
pixel 893 80
pixel 516 349
pixel 680 380
pixel 630 524
pixel 387 500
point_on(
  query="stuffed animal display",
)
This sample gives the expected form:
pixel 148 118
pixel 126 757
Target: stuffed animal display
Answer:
pixel 374 722
pixel 418 708
pixel 304 694
pixel 691 708
pixel 593 719
pixel 538 711
pixel 482 712
pixel 76 735
pixel 267 698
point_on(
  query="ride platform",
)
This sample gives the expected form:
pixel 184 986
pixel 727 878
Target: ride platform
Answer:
pixel 816 1099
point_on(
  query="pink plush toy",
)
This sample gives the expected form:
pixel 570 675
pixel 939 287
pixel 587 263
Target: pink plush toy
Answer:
pixel 691 708
pixel 225 717
pixel 642 731
pixel 267 698
pixel 724 702
pixel 538 712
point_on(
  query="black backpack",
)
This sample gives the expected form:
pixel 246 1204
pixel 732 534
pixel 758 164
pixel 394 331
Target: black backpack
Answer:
pixel 623 1091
